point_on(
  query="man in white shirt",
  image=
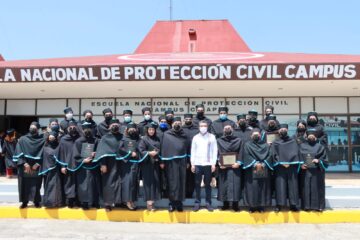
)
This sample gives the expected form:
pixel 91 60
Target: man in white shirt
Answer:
pixel 204 153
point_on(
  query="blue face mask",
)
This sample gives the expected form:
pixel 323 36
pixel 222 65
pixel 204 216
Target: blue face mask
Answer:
pixel 223 117
pixel 127 119
pixel 163 125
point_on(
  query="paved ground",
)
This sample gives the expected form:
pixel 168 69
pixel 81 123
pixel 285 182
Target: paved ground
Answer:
pixel 56 229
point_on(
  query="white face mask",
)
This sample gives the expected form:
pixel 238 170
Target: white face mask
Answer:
pixel 203 130
pixel 127 119
pixel 69 116
pixel 147 117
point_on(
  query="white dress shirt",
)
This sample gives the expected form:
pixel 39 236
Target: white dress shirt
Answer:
pixel 204 150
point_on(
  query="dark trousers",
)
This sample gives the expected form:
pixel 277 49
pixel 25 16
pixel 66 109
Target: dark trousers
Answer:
pixel 206 172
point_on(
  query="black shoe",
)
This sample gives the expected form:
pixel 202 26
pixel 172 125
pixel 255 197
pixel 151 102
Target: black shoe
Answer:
pixel 108 208
pixel 97 206
pixel 293 208
pixel 37 205
pixel 252 210
pixel 180 207
pixel 261 209
pixel 171 208
pixel 209 207
pixel 277 209
pixel 23 205
pixel 196 207
pixel 235 206
pixel 71 203
pixel 225 206
pixel 85 206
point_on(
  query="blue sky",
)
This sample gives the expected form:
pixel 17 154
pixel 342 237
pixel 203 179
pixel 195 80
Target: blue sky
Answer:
pixel 66 28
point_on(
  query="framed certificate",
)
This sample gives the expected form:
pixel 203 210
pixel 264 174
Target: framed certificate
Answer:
pixel 309 161
pixel 228 159
pixel 271 137
pixel 86 150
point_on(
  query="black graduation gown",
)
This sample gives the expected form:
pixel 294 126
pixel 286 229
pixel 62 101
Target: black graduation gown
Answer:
pixel 29 149
pixel 286 151
pixel 88 180
pixel 313 188
pixel 102 129
pixel 8 149
pixel 190 131
pixel 53 192
pixel 300 138
pixel 64 158
pixel 163 181
pixel 174 153
pixel 107 154
pixel 129 169
pixel 150 169
pixel 217 126
pixel 229 184
pixel 257 191
pixel 243 133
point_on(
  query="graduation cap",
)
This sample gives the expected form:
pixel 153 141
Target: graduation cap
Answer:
pixel 10 131
pixel 302 121
pixel 226 109
pixel 86 125
pixel 53 120
pixel 152 125
pixel 107 110
pixel 177 119
pixel 114 120
pixel 241 116
pixel 253 112
pixel 36 124
pixel 87 111
pixel 272 117
pixel 200 105
pixel 145 109
pixel 127 111
pixel 284 125
pixel 169 111
pixel 312 114
pixel 310 131
pixel 72 123
pixel 161 117
pixel 67 110
pixel 188 115
pixel 131 125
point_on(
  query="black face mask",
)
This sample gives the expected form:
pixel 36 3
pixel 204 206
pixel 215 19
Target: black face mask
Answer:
pixel 188 123
pixel 272 127
pixel 108 118
pixel 283 134
pixel 88 119
pixel 73 132
pixel 200 114
pixel 33 131
pixel 300 130
pixel 311 141
pixel 88 133
pixel 177 128
pixel 133 134
pixel 252 120
pixel 312 122
pixel 169 119
pixel 228 132
pixel 242 124
pixel 114 129
pixel 53 143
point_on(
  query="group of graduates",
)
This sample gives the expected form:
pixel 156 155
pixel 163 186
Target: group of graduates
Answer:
pixel 100 165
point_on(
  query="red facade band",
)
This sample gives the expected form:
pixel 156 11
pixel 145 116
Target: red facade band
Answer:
pixel 91 166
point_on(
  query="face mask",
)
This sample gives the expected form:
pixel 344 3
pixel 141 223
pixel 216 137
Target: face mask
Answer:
pixel 114 129
pixel 127 119
pixel 163 125
pixel 55 128
pixel 256 138
pixel 69 116
pixel 108 118
pixel 242 124
pixel 272 126
pixel 312 122
pixel 188 123
pixel 169 118
pixel 301 130
pixel 87 133
pixel 53 142
pixel 203 130
pixel 33 131
pixel 283 134
pixel 228 132
pixel 252 119
pixel 200 114
pixel 311 140
pixel 147 117
pixel 133 133
pixel 267 114
pixel 89 119
pixel 223 117
pixel 73 132
pixel 177 127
